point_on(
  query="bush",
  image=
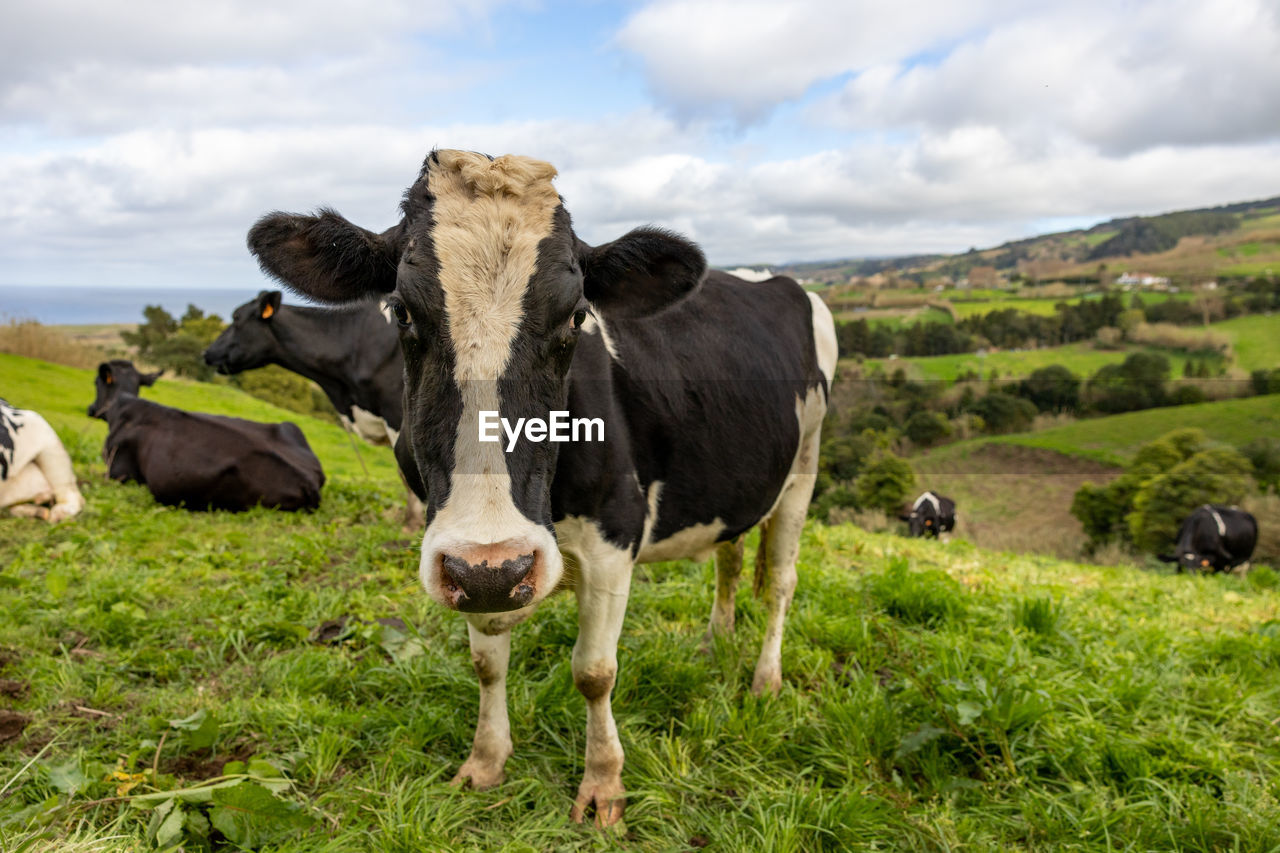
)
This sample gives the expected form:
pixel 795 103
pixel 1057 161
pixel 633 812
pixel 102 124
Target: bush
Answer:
pixel 177 346
pixel 1003 412
pixel 1215 475
pixel 1186 394
pixel 1264 455
pixel 926 428
pixel 1052 389
pixel 885 484
pixel 1137 383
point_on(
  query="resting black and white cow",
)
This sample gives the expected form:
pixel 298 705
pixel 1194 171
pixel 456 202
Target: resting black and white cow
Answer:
pixel 353 355
pixel 710 392
pixel 201 461
pixel 36 477
pixel 930 515
pixel 1214 538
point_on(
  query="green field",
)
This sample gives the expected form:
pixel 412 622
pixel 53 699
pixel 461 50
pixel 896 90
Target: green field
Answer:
pixel 1254 338
pixel 162 676
pixel 62 394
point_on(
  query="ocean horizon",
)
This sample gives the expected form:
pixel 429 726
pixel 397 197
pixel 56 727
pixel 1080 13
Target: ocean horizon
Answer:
pixel 81 305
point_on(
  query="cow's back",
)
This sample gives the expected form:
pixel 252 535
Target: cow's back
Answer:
pixel 713 393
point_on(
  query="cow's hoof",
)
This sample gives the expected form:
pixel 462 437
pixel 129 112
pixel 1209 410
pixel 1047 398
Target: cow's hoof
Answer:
pixel 766 683
pixel 480 775
pixel 605 795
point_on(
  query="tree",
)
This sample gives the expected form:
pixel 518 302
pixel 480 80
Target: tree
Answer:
pixel 1003 412
pixel 885 484
pixel 926 428
pixel 177 346
pixel 1052 389
pixel 1137 383
pixel 1214 475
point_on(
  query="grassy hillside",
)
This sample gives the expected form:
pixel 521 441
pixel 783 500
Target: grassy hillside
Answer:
pixel 936 697
pixel 181 676
pixel 1255 340
pixel 1114 439
pixel 62 394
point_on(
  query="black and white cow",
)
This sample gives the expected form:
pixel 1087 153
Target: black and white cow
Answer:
pixel 1214 538
pixel 201 461
pixel 711 392
pixel 352 354
pixel 36 477
pixel 930 515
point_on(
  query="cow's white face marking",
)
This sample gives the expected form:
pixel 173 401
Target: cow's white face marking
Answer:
pixel 927 497
pixel 490 217
pixel 594 325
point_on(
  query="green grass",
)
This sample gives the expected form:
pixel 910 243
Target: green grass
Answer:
pixel 1254 338
pixel 62 394
pixel 1115 438
pixel 936 697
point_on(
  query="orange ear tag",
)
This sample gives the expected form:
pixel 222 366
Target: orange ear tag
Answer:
pixel 267 311
pixel 110 379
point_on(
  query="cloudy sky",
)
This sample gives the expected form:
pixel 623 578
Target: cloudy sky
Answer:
pixel 139 140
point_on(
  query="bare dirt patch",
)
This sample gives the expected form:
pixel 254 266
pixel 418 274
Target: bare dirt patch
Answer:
pixel 11 725
pixel 1012 498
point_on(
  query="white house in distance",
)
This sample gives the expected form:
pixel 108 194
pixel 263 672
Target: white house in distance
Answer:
pixel 1139 279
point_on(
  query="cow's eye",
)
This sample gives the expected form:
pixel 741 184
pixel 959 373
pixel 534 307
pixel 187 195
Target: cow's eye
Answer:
pixel 579 317
pixel 400 313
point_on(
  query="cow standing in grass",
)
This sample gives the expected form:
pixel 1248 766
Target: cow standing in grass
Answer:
pixel 36 477
pixel 711 391
pixel 930 515
pixel 1214 538
pixel 354 356
pixel 201 461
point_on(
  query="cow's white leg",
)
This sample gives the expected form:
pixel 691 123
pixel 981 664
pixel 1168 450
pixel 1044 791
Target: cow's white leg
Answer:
pixel 490 654
pixel 56 465
pixel 781 546
pixel 728 572
pixel 603 584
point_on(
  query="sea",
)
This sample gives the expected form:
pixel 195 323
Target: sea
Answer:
pixel 73 305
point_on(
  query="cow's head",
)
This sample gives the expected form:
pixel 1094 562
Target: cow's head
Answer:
pixel 490 288
pixel 117 378
pixel 1190 561
pixel 248 342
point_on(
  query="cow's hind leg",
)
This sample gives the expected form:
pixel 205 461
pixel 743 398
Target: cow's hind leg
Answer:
pixel 490 654
pixel 604 582
pixel 780 544
pixel 728 572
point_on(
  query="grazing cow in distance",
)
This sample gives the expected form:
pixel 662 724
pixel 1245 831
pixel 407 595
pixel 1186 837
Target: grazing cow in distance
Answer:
pixel 709 392
pixel 1214 538
pixel 930 515
pixel 353 354
pixel 201 461
pixel 36 477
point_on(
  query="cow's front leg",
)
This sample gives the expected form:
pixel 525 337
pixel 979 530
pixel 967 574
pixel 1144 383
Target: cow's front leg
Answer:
pixel 490 654
pixel 604 582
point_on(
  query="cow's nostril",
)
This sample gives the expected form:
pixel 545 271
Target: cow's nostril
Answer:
pixel 494 584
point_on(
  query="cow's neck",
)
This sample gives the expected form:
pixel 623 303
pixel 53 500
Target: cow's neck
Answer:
pixel 310 346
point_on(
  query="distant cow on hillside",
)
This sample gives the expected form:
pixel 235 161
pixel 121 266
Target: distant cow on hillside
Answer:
pixel 353 354
pixel 201 461
pixel 36 477
pixel 930 515
pixel 1214 538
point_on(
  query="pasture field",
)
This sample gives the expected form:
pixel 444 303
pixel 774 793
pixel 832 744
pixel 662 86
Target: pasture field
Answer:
pixel 1115 438
pixel 62 394
pixel 1255 340
pixel 177 678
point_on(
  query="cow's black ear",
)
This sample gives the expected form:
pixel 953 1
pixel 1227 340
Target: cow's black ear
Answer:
pixel 268 303
pixel 105 374
pixel 324 256
pixel 641 273
pixel 150 378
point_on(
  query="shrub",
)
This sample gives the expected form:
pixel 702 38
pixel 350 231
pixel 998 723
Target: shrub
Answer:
pixel 1052 389
pixel 1003 412
pixel 926 428
pixel 1215 475
pixel 1137 383
pixel 1263 454
pixel 176 345
pixel 885 484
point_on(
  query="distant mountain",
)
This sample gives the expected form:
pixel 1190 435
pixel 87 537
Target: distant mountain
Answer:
pixel 1232 240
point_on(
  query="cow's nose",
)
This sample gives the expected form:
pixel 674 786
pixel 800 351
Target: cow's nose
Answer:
pixel 490 578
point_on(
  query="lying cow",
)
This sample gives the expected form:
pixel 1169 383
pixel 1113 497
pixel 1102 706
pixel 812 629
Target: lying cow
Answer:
pixel 201 461
pixel 1214 538
pixel 353 355
pixel 710 391
pixel 930 515
pixel 36 477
